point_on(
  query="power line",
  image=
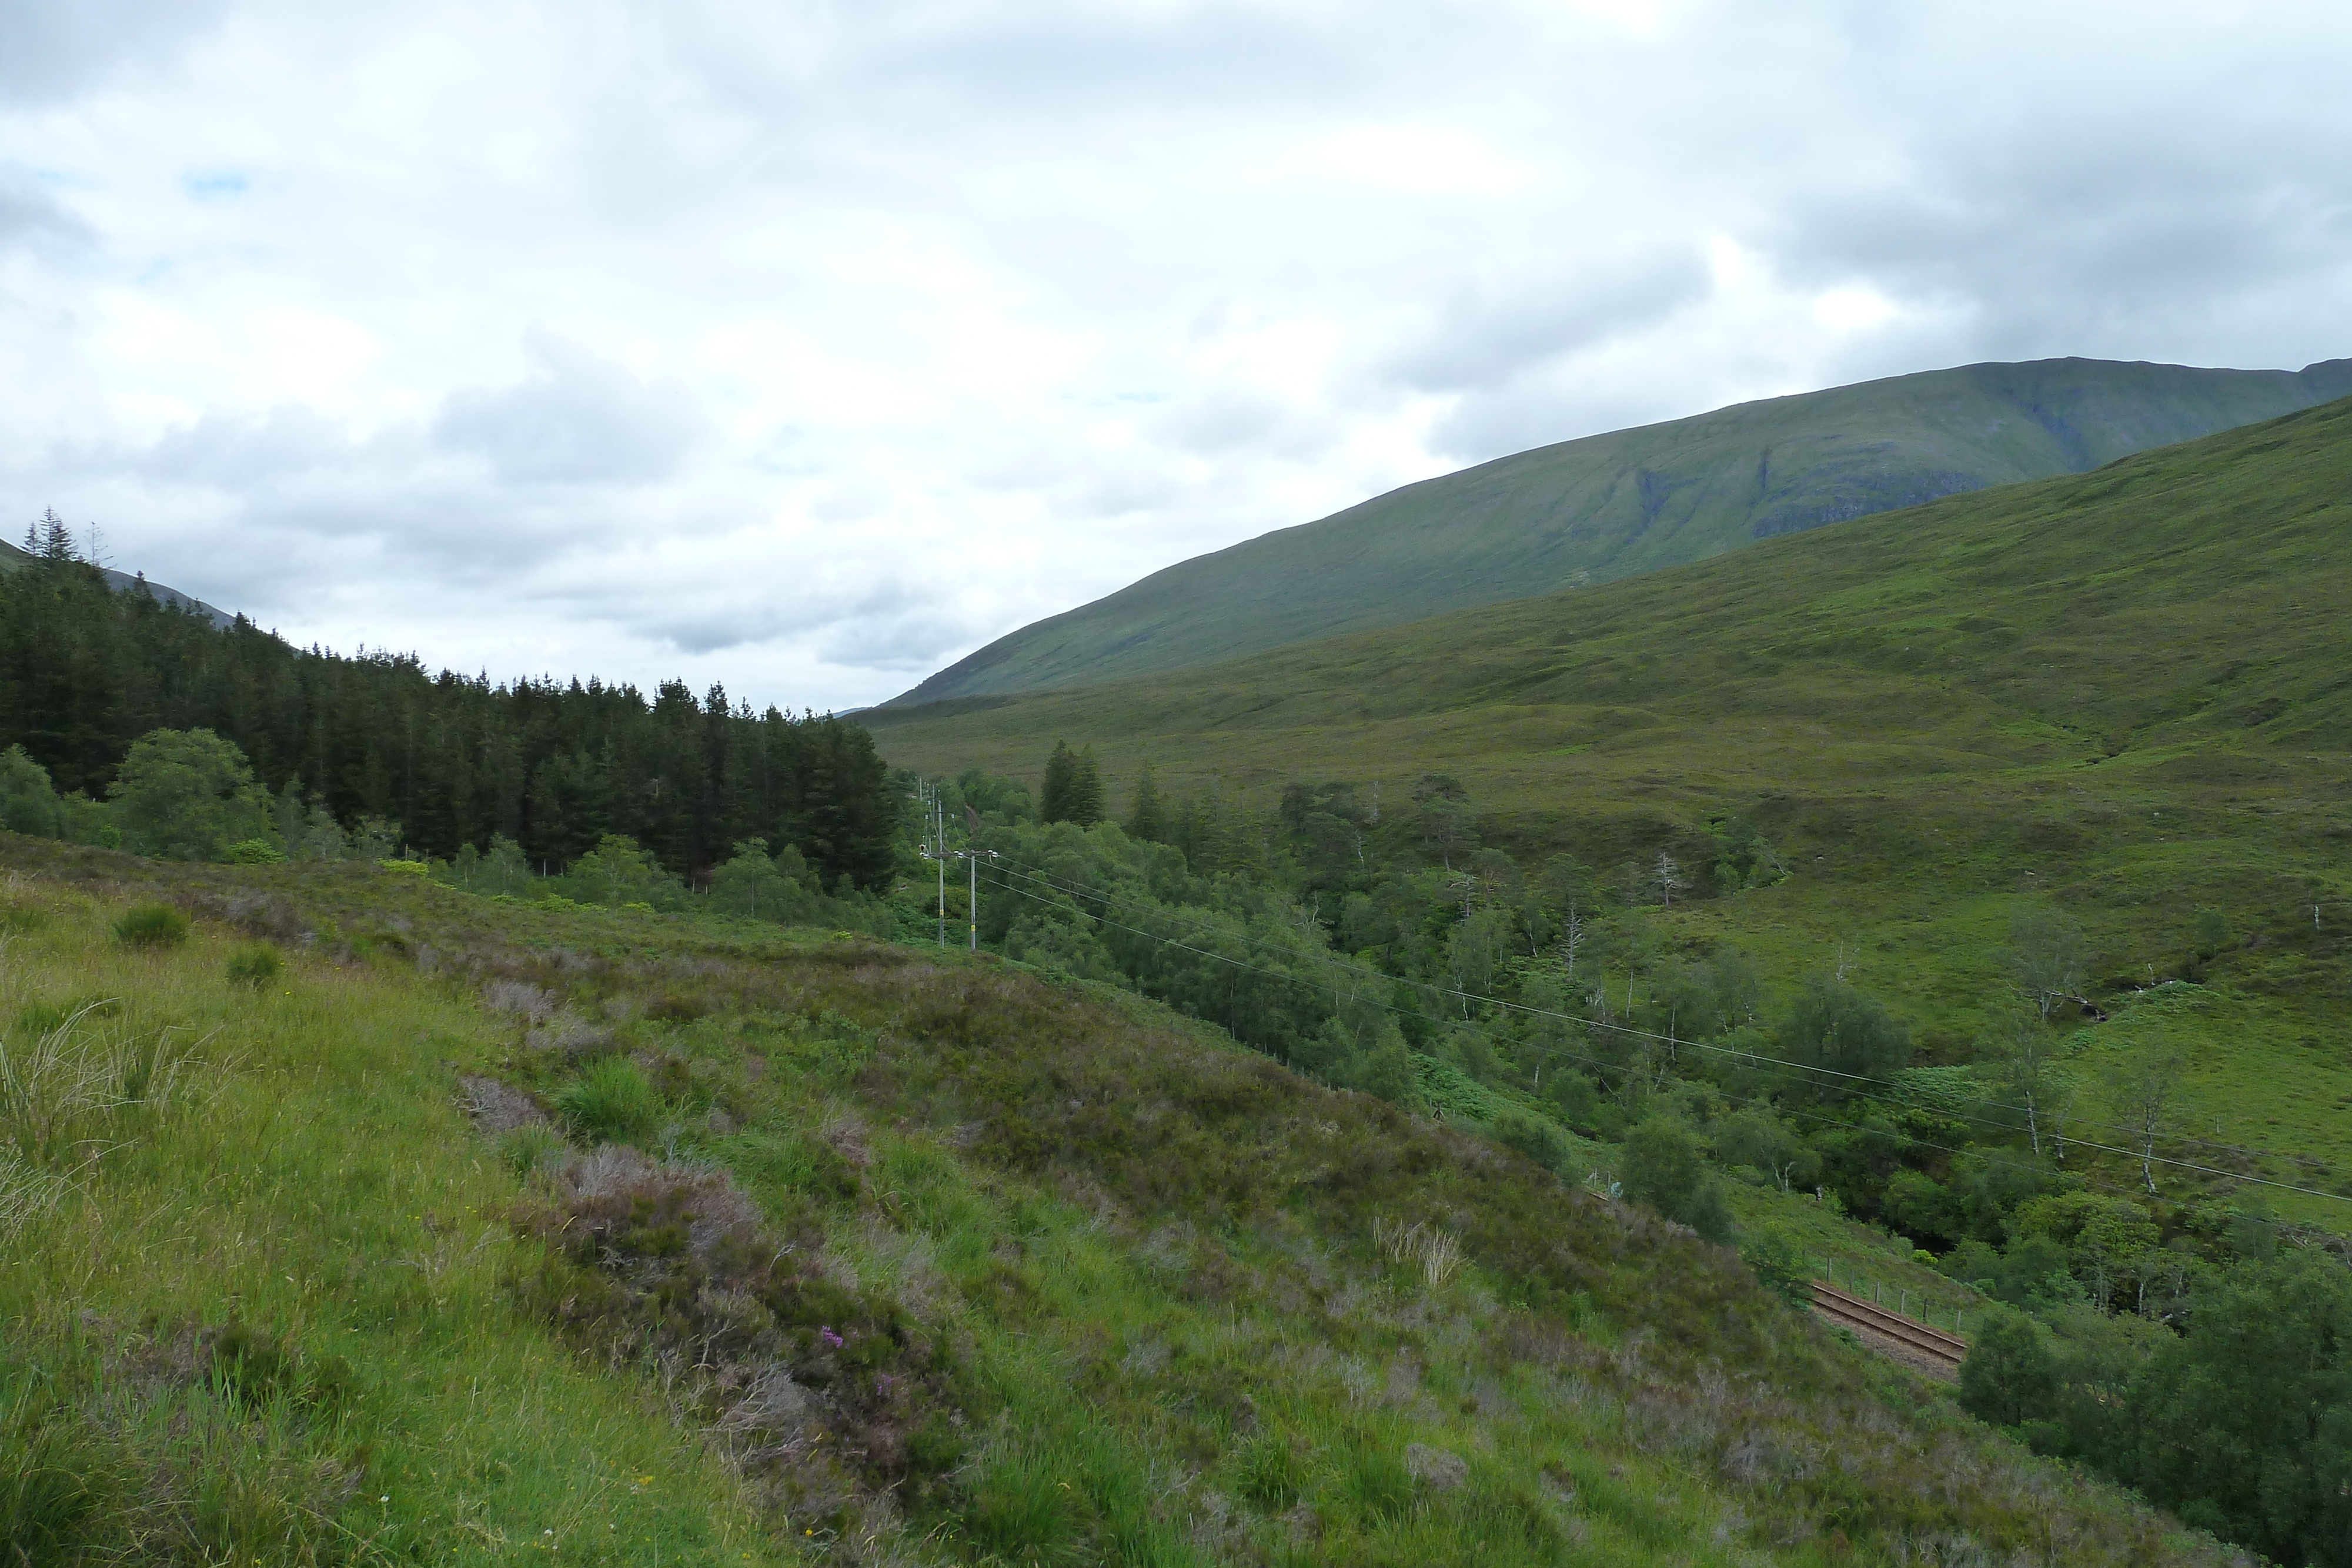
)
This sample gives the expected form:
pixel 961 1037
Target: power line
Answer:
pixel 1671 1041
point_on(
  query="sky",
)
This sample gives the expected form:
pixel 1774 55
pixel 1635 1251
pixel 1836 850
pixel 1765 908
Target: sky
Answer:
pixel 803 348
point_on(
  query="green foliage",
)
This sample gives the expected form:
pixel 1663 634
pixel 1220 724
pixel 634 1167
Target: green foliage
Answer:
pixel 1073 790
pixel 2046 957
pixel 257 967
pixel 618 872
pixel 869 1263
pixel 375 752
pixel 187 795
pixel 2009 1377
pixel 1780 1265
pixel 1663 1166
pixel 28 804
pixel 1848 1034
pixel 150 926
pixel 1147 818
pixel 1535 1137
pixel 613 1099
pixel 2209 930
pixel 252 851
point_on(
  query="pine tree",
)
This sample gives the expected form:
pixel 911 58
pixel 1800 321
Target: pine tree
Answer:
pixel 1085 790
pixel 56 539
pixel 1061 774
pixel 1146 819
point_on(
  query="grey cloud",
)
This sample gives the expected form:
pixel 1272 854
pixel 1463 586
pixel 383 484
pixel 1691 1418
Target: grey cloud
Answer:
pixel 1487 333
pixel 926 62
pixel 1233 421
pixel 31 215
pixel 58 48
pixel 581 420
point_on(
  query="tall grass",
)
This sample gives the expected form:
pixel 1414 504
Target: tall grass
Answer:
pixel 935 1265
pixel 319 1188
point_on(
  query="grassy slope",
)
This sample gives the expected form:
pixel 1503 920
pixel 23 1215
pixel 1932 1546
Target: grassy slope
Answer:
pixel 1138 1270
pixel 2127 690
pixel 1613 506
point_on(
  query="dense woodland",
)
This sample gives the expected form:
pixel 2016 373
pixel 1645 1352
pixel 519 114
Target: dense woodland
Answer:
pixel 450 760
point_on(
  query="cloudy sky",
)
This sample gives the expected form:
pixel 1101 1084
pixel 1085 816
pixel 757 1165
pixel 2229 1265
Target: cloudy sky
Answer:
pixel 806 346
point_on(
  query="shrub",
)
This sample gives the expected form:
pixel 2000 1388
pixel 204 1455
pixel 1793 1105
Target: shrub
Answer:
pixel 613 1101
pixel 1534 1137
pixel 1665 1168
pixel 256 967
pixel 2007 1377
pixel 151 925
pixel 188 795
pixel 252 851
pixel 1778 1266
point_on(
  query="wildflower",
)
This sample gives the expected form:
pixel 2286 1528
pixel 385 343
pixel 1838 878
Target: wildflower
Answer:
pixel 832 1340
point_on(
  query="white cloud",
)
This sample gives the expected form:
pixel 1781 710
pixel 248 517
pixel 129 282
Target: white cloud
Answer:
pixel 805 347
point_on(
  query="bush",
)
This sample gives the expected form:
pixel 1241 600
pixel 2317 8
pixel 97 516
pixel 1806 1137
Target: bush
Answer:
pixel 256 967
pixel 252 851
pixel 1846 1032
pixel 1534 1137
pixel 1665 1168
pixel 188 795
pixel 151 925
pixel 1778 1266
pixel 613 1101
pixel 2008 1378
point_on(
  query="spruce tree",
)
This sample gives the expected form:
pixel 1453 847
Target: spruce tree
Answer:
pixel 1085 790
pixel 1146 820
pixel 1061 774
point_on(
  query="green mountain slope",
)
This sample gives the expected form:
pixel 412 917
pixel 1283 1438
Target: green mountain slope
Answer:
pixel 374 1221
pixel 1611 506
pixel 2129 692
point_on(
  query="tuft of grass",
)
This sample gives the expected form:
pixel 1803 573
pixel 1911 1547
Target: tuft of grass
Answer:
pixel 1023 1512
pixel 533 1147
pixel 151 925
pixel 66 1089
pixel 1435 1253
pixel 613 1100
pixel 256 967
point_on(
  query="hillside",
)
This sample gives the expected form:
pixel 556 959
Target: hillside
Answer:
pixel 2124 693
pixel 376 1221
pixel 1615 506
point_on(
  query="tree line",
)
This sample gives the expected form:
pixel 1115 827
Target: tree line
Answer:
pixel 449 760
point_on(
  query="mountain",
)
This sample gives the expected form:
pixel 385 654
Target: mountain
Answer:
pixel 1614 506
pixel 11 558
pixel 2128 692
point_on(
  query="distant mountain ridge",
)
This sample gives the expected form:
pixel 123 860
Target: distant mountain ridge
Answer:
pixel 11 558
pixel 1631 501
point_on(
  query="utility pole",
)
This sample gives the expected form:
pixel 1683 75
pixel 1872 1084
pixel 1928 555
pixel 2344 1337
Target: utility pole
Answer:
pixel 935 847
pixel 971 859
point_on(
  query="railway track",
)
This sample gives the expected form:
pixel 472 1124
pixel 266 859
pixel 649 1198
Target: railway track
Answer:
pixel 1941 1350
